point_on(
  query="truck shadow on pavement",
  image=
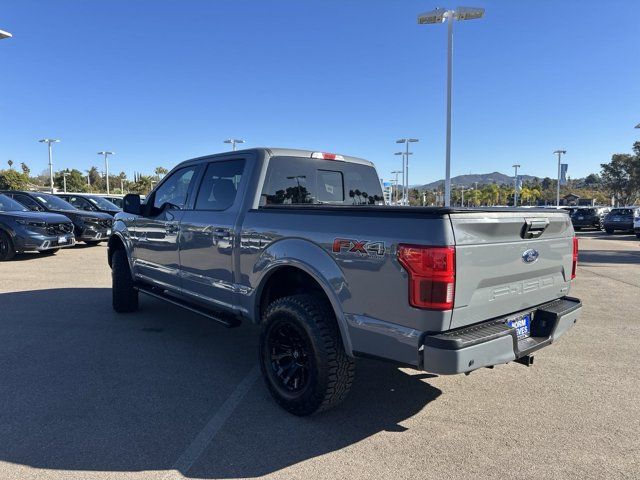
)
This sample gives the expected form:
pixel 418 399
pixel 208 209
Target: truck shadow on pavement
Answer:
pixel 84 388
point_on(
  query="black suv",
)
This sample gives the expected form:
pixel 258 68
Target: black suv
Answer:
pixel 90 227
pixel 22 230
pixel 588 217
pixel 619 219
pixel 90 203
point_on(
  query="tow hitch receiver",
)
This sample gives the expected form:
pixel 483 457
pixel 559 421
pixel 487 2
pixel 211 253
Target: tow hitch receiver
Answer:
pixel 526 360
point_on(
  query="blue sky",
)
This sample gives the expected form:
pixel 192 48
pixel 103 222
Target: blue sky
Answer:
pixel 162 81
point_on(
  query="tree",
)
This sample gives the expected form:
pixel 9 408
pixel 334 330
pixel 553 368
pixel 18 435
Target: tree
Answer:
pixel 97 184
pixel 75 180
pixel 10 162
pixel 160 172
pixel 622 175
pixel 26 170
pixel 12 180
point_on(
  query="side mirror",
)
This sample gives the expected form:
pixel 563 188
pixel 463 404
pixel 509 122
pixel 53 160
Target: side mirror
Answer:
pixel 131 204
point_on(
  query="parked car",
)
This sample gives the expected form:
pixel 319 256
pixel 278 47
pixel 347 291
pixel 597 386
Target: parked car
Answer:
pixel 300 243
pixel 619 219
pixel 22 230
pixel 89 227
pixel 117 201
pixel 636 223
pixel 90 203
pixel 588 217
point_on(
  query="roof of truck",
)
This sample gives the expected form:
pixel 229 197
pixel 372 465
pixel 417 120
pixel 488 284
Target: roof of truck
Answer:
pixel 290 152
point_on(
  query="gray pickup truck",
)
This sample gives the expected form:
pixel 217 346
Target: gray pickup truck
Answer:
pixel 302 243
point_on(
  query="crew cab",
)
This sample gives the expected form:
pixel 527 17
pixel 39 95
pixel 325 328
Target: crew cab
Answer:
pixel 301 243
pixel 89 227
pixel 24 231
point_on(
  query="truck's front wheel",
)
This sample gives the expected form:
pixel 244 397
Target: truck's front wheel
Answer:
pixel 302 356
pixel 124 296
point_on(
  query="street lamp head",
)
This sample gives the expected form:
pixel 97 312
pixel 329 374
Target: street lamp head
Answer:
pixel 106 153
pixel 4 34
pixel 399 153
pixel 638 125
pixel 563 152
pixel 516 165
pixel 233 140
pixel 468 13
pixel 49 140
pixel 434 16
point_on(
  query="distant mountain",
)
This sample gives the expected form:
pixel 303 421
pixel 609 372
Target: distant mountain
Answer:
pixel 471 179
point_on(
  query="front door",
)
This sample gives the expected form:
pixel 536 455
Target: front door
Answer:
pixel 208 235
pixel 155 253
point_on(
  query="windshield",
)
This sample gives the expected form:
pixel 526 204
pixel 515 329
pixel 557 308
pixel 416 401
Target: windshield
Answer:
pixel 10 205
pixel 103 203
pixel 53 202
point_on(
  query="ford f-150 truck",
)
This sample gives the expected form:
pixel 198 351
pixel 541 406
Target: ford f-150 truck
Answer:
pixel 301 243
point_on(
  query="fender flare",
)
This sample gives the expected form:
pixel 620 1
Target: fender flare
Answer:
pixel 315 262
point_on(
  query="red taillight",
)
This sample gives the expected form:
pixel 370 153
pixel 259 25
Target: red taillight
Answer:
pixel 431 275
pixel 574 266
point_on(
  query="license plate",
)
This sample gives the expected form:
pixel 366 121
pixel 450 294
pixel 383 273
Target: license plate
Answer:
pixel 108 231
pixel 522 324
pixel 62 239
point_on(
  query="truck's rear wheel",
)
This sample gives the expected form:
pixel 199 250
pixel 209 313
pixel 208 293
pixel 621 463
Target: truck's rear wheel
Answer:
pixel 302 356
pixel 124 297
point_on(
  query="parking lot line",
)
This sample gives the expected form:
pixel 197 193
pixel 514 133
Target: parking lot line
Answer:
pixel 206 435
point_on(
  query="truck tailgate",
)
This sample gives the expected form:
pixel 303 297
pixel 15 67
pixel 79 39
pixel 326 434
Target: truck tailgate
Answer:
pixel 507 262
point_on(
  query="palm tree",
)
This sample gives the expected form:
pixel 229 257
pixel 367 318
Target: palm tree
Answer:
pixel 160 171
pixel 10 162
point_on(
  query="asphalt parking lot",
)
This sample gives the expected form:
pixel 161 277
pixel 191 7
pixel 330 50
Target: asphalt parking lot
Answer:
pixel 163 393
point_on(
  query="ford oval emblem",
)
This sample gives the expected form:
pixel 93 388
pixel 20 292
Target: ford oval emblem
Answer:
pixel 530 256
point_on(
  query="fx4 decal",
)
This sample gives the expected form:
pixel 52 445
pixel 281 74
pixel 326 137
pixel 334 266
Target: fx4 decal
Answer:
pixel 358 247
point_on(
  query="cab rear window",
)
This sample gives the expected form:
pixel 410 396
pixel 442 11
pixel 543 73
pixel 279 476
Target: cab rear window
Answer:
pixel 299 181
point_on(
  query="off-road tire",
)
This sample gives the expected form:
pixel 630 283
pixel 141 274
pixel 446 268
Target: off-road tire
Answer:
pixel 124 297
pixel 7 249
pixel 53 251
pixel 609 230
pixel 330 370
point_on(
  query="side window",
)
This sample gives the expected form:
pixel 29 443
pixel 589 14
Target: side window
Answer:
pixel 290 181
pixel 174 189
pixel 79 202
pixel 27 202
pixel 220 185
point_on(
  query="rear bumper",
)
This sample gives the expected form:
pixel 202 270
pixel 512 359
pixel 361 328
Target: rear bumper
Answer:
pixel 626 226
pixel 493 342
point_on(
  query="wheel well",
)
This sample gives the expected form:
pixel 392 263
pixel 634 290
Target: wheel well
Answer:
pixel 287 281
pixel 114 244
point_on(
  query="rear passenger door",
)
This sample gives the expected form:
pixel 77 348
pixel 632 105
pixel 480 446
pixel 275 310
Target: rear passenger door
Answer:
pixel 208 234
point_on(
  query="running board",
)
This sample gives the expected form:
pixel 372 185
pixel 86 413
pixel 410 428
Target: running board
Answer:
pixel 228 321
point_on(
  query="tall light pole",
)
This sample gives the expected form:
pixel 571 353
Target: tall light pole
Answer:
pixel 440 15
pixel 49 141
pixel 406 141
pixel 233 142
pixel 4 34
pixel 106 166
pixel 402 171
pixel 515 186
pixel 395 197
pixel 64 180
pixel 559 153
